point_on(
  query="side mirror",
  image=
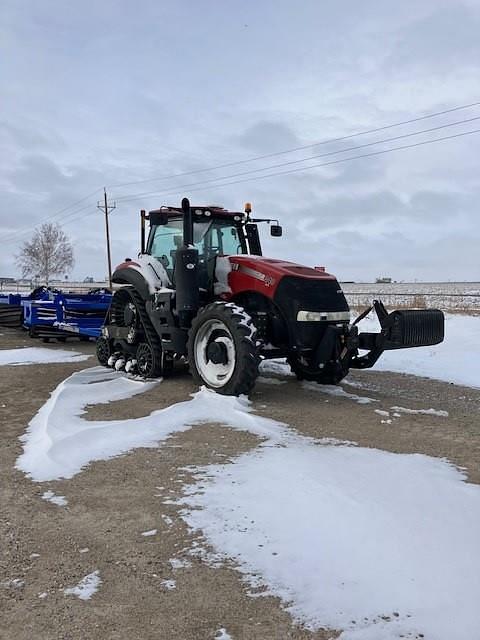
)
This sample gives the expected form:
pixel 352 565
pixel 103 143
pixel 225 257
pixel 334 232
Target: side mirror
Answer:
pixel 158 218
pixel 276 230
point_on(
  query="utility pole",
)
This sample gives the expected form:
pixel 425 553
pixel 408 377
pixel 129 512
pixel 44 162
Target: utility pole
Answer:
pixel 107 208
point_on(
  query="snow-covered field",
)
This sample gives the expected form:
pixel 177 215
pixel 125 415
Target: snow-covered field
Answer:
pixel 39 355
pixel 456 359
pixel 380 545
pixel 461 296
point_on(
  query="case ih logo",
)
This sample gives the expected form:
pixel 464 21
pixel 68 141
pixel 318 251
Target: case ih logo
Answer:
pixel 268 281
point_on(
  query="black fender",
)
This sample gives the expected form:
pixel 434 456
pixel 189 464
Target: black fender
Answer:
pixel 126 275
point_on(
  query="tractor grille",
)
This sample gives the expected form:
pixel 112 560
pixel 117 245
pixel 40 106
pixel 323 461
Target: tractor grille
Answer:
pixel 296 294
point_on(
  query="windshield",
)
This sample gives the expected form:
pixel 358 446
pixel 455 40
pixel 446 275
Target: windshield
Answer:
pixel 211 238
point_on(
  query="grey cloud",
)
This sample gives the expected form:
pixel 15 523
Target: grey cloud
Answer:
pixel 268 136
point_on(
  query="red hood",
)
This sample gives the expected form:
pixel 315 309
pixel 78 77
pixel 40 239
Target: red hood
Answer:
pixel 279 268
pixel 256 273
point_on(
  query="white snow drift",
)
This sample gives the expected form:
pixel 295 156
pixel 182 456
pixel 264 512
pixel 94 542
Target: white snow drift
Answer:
pixel 39 355
pixel 59 441
pixel 377 544
pixel 456 359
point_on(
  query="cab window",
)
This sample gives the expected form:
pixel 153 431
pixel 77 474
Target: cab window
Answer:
pixel 211 238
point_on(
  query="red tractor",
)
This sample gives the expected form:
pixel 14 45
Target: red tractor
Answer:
pixel 200 289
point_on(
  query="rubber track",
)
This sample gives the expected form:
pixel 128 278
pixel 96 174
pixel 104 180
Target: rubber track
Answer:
pixel 148 328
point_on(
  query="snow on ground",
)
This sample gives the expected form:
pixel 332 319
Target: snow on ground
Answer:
pixel 222 634
pixel 277 366
pixel 148 534
pixel 169 584
pixel 332 390
pixel 456 359
pixel 39 355
pixel 345 534
pixel 265 380
pixel 178 563
pixel 13 583
pixel 427 412
pixel 61 501
pixel 340 533
pixel 86 588
pixel 59 442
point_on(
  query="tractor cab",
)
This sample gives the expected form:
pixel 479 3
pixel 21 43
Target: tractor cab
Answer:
pixel 215 234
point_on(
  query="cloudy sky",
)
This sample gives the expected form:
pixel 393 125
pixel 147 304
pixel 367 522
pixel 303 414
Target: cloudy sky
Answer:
pixel 106 93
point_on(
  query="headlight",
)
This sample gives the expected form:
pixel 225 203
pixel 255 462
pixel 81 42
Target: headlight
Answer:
pixel 318 316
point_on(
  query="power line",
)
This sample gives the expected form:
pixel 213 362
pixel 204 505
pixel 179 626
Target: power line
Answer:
pixel 301 148
pixel 126 198
pixel 26 230
pixel 325 164
pixel 71 217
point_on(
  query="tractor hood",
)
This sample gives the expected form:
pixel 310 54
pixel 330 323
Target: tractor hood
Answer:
pixel 264 274
pixel 279 268
pixel 236 274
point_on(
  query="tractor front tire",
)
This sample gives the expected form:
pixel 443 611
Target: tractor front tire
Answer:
pixel 222 349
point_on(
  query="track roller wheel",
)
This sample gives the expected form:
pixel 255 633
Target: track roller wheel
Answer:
pixel 126 314
pixel 222 349
pixel 149 361
pixel 103 351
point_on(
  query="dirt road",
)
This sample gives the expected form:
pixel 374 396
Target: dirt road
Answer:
pixel 46 548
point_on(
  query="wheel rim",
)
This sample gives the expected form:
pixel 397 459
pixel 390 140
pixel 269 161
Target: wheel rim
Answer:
pixel 103 351
pixel 215 374
pixel 125 314
pixel 144 359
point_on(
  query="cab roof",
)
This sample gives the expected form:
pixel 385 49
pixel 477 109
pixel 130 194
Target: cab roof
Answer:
pixel 214 211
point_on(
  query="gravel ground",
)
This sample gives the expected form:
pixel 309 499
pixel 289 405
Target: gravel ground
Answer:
pixel 111 503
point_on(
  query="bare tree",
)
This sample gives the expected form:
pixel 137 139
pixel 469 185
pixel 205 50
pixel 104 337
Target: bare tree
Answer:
pixel 47 254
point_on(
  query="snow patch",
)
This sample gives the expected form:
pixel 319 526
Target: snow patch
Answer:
pixel 265 380
pixel 178 563
pixel 332 390
pixel 39 355
pixel 362 540
pixel 59 442
pixel 222 634
pixel 456 359
pixel 278 366
pixel 147 534
pixel 427 412
pixel 169 584
pixel 13 583
pixel 86 588
pixel 61 501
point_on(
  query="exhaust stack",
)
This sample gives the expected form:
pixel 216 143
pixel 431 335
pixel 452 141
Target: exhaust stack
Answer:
pixel 186 271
